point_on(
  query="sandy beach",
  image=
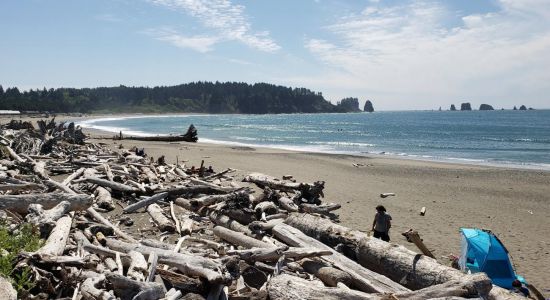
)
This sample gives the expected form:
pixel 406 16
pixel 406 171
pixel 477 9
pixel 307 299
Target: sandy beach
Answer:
pixel 513 203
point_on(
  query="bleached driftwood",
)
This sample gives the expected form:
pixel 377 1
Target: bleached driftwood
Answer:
pixel 145 202
pixel 187 264
pixel 56 242
pixel 329 275
pixel 238 238
pixel 98 217
pixel 273 254
pixel 20 203
pixel 45 219
pixel 127 288
pixel 157 214
pixel 364 279
pixel 103 198
pixel 112 185
pixel 138 266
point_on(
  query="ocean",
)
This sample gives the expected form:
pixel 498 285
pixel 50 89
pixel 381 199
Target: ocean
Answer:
pixel 509 138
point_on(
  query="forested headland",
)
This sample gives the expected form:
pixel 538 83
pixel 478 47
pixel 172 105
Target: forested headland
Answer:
pixel 195 97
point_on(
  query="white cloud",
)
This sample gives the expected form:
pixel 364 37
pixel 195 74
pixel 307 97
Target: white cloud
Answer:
pixel 229 21
pixel 408 51
pixel 198 43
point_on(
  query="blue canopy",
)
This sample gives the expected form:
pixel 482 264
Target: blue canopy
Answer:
pixel 482 251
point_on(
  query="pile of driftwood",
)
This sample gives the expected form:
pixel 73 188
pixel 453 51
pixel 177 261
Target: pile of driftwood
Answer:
pixel 212 236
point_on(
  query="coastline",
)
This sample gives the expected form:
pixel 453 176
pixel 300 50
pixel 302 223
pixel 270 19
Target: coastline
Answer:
pixel 513 203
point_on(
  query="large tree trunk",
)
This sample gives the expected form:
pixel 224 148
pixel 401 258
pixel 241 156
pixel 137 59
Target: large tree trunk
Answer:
pixel 363 279
pixel 20 203
pixel 189 136
pixel 413 270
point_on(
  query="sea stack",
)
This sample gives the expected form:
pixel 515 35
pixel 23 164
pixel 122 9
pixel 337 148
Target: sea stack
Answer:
pixel 522 107
pixel 486 107
pixel 515 108
pixel 453 107
pixel 465 106
pixel 368 106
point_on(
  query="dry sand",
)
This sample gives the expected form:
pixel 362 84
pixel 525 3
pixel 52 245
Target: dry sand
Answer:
pixel 513 203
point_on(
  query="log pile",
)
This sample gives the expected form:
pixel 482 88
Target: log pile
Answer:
pixel 122 226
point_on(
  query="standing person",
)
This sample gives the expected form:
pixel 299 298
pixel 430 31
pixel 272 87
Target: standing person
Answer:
pixel 382 224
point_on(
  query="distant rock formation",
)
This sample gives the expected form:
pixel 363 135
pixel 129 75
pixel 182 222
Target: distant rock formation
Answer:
pixel 522 107
pixel 368 106
pixel 349 105
pixel 453 108
pixel 465 106
pixel 486 107
pixel 515 108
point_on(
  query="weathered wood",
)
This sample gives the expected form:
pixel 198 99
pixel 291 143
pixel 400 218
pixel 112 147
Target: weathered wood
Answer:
pixel 195 189
pixel 324 209
pixel 145 202
pixel 273 254
pixel 138 266
pixel 103 198
pixel 153 262
pixel 98 217
pixel 413 236
pixel 126 288
pixel 182 282
pixel 223 220
pixel 364 279
pixel 329 275
pixel 288 204
pixel 265 226
pixel 112 185
pixel 286 287
pixel 238 238
pixel 213 199
pixel 266 207
pixel 45 219
pixel 396 262
pixel 20 203
pixel 472 286
pixel 187 225
pixel 157 214
pixel 21 187
pixel 56 242
pixel 309 191
pixel 174 218
pixel 187 264
pixel 108 172
pixel 90 289
pixel 151 176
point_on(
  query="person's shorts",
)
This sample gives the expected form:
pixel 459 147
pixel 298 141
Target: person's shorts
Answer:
pixel 382 235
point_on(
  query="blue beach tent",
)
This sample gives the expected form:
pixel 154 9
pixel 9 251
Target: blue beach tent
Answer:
pixel 482 251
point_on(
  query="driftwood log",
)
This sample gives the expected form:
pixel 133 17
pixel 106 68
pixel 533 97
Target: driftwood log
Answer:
pixel 363 279
pixel 412 270
pixel 20 203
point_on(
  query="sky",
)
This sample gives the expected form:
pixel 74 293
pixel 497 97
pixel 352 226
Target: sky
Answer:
pixel 400 54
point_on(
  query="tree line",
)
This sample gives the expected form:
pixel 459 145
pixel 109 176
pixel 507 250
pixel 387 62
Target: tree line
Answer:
pixel 197 97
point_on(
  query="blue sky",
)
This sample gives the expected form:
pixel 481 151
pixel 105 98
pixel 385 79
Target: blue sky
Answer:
pixel 400 54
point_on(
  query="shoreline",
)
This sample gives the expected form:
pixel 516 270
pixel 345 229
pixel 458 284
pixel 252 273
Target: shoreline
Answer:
pixel 381 155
